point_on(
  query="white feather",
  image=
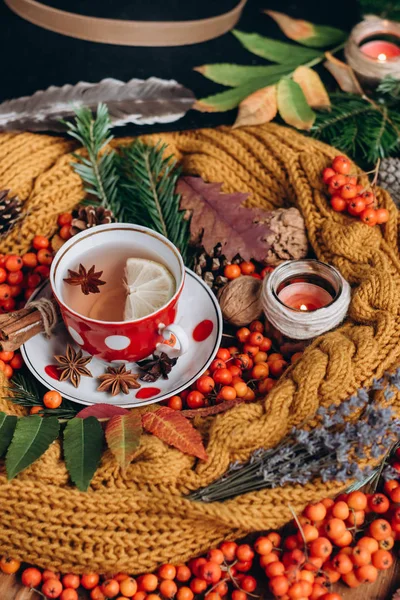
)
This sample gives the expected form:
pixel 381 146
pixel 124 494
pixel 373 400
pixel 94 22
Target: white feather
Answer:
pixel 143 102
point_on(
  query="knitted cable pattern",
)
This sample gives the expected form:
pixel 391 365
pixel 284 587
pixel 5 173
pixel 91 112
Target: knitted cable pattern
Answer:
pixel 135 520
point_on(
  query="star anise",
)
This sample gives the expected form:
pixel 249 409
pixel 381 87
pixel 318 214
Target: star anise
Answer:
pixel 88 280
pixel 158 366
pixel 117 380
pixel 73 366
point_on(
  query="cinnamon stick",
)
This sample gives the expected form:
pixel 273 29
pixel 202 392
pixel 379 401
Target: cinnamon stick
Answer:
pixel 17 327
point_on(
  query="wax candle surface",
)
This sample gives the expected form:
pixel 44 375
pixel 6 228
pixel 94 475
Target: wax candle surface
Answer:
pixel 381 50
pixel 304 296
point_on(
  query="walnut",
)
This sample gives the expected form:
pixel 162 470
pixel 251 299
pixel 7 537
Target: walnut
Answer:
pixel 240 300
pixel 287 236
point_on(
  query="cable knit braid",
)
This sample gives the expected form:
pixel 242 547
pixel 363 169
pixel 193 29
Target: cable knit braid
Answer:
pixel 133 521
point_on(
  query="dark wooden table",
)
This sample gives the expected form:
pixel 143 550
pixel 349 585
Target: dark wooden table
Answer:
pixel 382 589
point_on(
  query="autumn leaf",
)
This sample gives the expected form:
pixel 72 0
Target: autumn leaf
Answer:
pixel 123 437
pixel 208 411
pixel 173 429
pixel 221 218
pixel 236 75
pixel 312 86
pixel 293 106
pixel 343 74
pixel 258 108
pixel 273 50
pixel 102 411
pixel 306 33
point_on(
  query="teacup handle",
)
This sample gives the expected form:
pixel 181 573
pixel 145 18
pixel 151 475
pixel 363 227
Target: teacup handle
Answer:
pixel 180 335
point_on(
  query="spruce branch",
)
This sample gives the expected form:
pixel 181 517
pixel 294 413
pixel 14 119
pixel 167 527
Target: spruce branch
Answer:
pixel 389 86
pixel 98 170
pixel 148 181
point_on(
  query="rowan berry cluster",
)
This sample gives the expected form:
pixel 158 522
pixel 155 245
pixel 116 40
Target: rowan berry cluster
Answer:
pixel 233 271
pixel 348 195
pixel 21 275
pixel 245 371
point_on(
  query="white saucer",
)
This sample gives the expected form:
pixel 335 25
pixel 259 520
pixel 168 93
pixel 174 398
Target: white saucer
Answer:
pixel 197 304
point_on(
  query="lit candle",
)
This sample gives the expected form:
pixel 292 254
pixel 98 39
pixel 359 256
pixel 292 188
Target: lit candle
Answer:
pixel 304 296
pixel 381 50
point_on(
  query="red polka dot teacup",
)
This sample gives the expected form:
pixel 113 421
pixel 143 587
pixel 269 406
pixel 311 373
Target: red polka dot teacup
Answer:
pixel 107 247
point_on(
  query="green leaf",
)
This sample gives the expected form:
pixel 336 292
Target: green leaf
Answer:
pixel 7 427
pixel 236 75
pixel 292 105
pixel 123 437
pixel 32 436
pixel 273 50
pixel 233 97
pixel 306 33
pixel 83 444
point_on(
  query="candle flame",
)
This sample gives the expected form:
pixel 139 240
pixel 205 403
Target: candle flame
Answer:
pixel 382 57
pixel 303 307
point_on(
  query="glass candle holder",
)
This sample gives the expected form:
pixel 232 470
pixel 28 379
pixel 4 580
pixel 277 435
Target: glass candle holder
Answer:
pixel 305 298
pixel 375 59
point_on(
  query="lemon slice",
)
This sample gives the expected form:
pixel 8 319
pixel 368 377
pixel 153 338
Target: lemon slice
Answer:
pixel 150 286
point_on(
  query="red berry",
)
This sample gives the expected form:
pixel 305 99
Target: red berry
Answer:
pixel 39 242
pixel 65 232
pixel 195 400
pixel 382 216
pixel 211 572
pixel 327 174
pixel 341 164
pixel 14 263
pixel 248 583
pixel 356 206
pixel 45 257
pixel 5 292
pixel 15 277
pixel 52 588
pixel 348 191
pixel 336 183
pixel 244 553
pixel 369 198
pixel 64 219
pixel 31 577
pixel 338 204
pixel 3 275
pixel 205 384
pixel 368 216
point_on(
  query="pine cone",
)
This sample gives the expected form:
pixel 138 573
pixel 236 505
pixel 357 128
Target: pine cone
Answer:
pixel 10 211
pixel 389 178
pixel 85 217
pixel 210 267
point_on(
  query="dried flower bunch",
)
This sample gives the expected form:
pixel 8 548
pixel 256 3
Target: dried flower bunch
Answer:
pixel 328 451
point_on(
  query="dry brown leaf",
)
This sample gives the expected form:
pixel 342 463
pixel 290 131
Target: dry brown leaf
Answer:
pixel 343 74
pixel 312 86
pixel 295 29
pixel 258 108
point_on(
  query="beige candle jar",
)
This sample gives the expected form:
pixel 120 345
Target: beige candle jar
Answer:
pixel 303 323
pixel 370 71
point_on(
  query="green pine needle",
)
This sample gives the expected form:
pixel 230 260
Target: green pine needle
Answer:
pixel 359 127
pixel 148 181
pixel 98 170
pixel 23 391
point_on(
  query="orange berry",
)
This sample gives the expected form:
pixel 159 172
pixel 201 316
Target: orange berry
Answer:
pixel 110 588
pixel 274 569
pixel 39 242
pixel 50 575
pixel 167 571
pixel 380 529
pixel 338 203
pixel 6 356
pixel 5 292
pixel 224 354
pixel 198 585
pixel 368 216
pixel 9 565
pixel 344 540
pixel 35 410
pixel 260 371
pixel 97 594
pixel 250 395
pixel 175 402
pixel 256 326
pixel 315 512
pixel 69 594
pixel 369 543
pixel 382 559
pixel 279 585
pixel 357 500
pixel 328 503
pixel 119 577
pixel 267 559
pixel 295 357
pixel 367 574
pixel 17 362
pixel 247 268
pixel 309 532
pixel 183 573
pixel 340 510
pixel 128 587
pixel 167 588
pixel 356 517
pixel 342 165
pixel 148 582
pixel 263 545
pixel 238 595
pixel 45 257
pixel 251 350
pixel 184 593
pixel 351 580
pixel 52 399
pixel 15 278
pixel 335 528
pixel 30 260
pixel 277 367
pixel 332 596
pixel 216 555
pixel 231 272
pixel 31 577
pixel 387 544
pixel 382 216
pixel 360 556
pixel 260 357
pixel 342 563
pixel 229 550
pixel 241 389
pixel 3 275
pixel 71 581
pixel 321 548
pixel 140 596
pixel 14 263
pixel 221 588
pixel 64 219
pixel 52 588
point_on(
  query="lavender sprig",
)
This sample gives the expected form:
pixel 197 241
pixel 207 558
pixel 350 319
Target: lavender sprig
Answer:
pixel 329 451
